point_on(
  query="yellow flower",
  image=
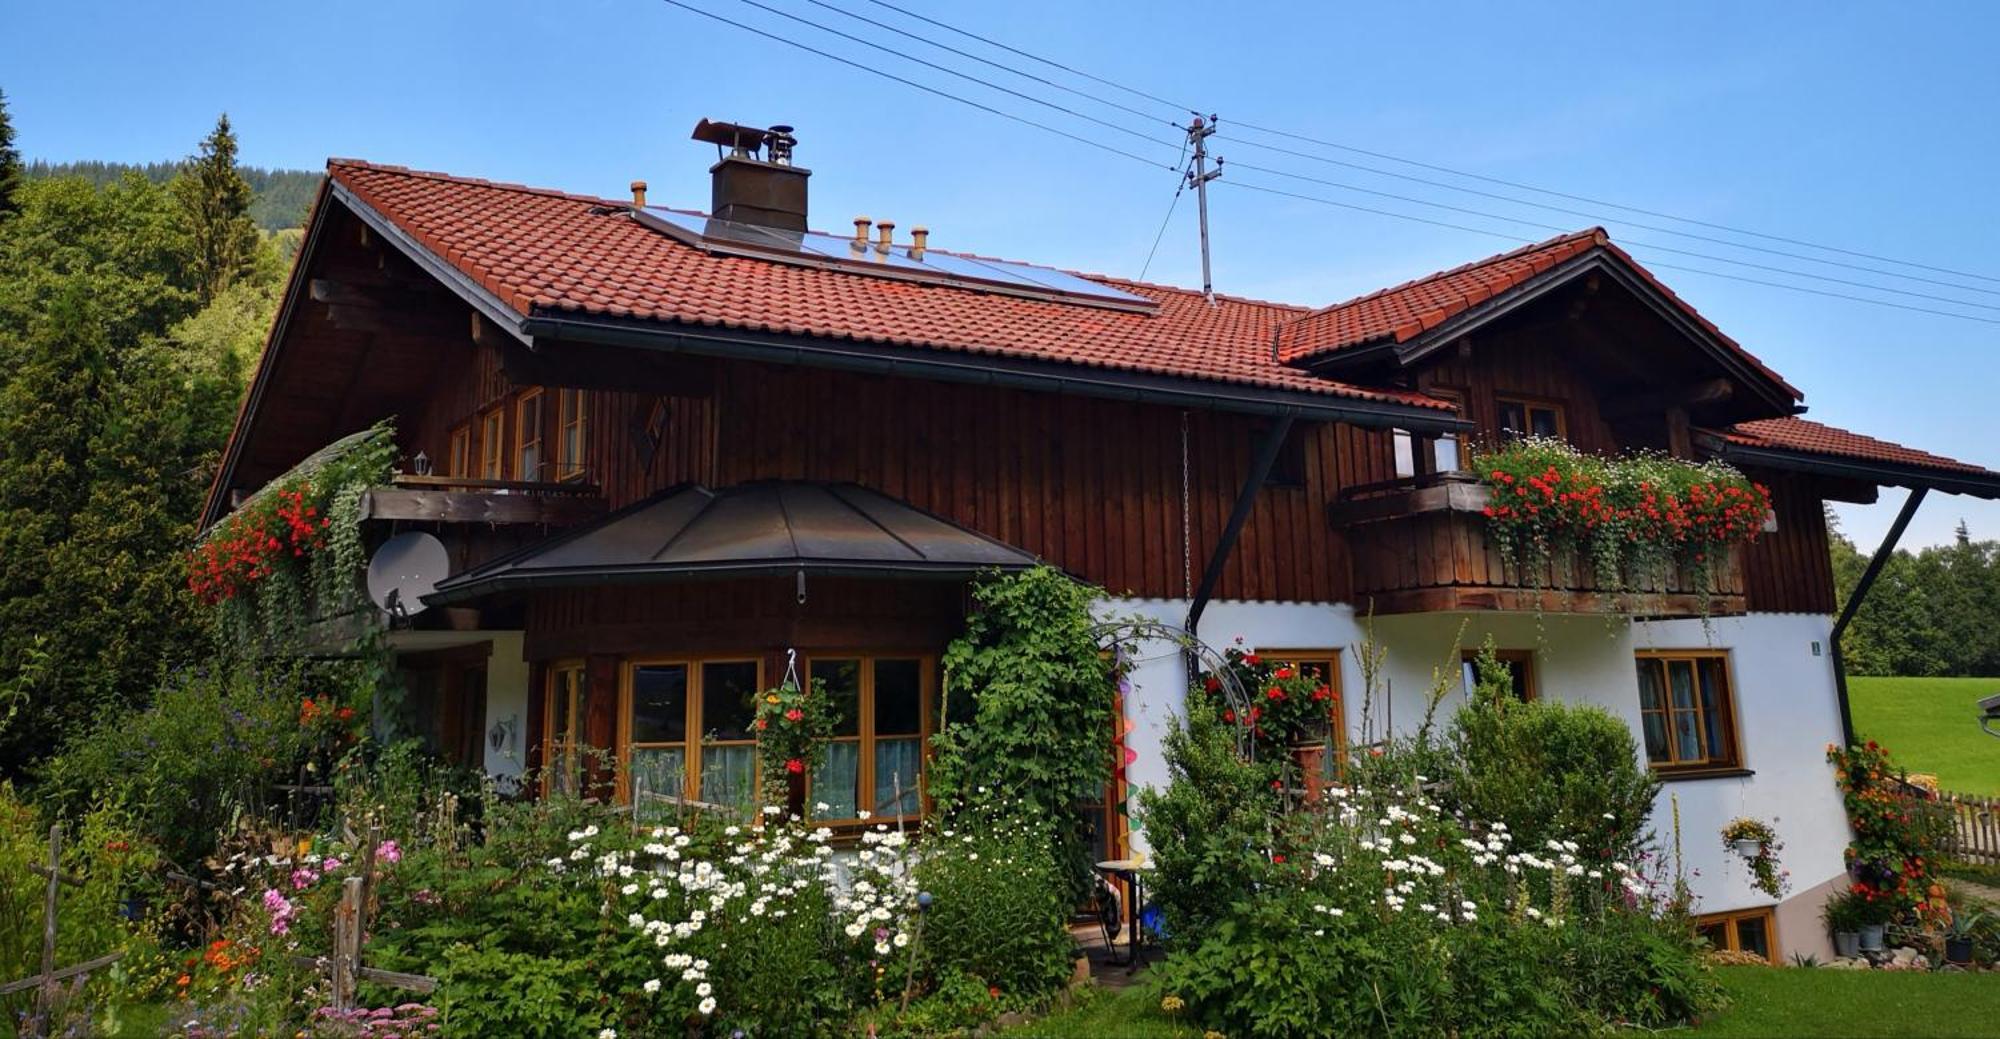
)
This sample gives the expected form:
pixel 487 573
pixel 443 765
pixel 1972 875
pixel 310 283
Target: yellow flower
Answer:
pixel 771 698
pixel 1213 1034
pixel 1172 1004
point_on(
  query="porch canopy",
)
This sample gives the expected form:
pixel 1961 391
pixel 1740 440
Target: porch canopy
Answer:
pixel 1801 445
pixel 750 530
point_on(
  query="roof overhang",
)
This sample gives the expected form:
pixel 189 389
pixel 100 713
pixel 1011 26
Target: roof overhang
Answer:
pixel 1877 472
pixel 768 528
pixel 1779 395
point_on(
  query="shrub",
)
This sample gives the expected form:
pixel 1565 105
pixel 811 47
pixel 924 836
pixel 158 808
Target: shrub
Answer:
pixel 998 909
pixel 1546 768
pixel 1206 825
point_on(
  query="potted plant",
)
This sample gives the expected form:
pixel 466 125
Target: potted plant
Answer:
pixel 1842 914
pixel 1874 920
pixel 1758 843
pixel 1958 938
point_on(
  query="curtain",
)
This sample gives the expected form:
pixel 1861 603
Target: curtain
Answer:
pixel 658 770
pixel 837 781
pixel 896 764
pixel 729 775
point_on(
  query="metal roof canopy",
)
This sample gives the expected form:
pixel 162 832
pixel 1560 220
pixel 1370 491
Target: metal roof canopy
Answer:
pixel 754 529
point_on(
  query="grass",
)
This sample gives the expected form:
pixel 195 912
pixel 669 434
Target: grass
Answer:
pixel 1930 725
pixel 1764 1001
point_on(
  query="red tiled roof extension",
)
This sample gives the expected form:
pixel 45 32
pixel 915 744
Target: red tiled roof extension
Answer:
pixel 1407 311
pixel 545 253
pixel 1817 438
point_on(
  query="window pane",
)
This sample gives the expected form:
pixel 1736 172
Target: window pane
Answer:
pixel 1650 698
pixel 565 685
pixel 658 770
pixel 837 782
pixel 659 704
pixel 1687 736
pixel 1656 737
pixel 1468 675
pixel 1406 457
pixel 896 765
pixel 1716 933
pixel 842 681
pixel 1445 453
pixel 898 697
pixel 1511 417
pixel 1680 679
pixel 1712 711
pixel 729 775
pixel 1543 422
pixel 1751 936
pixel 728 700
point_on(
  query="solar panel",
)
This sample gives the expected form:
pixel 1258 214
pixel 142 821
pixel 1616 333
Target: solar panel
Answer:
pixel 812 248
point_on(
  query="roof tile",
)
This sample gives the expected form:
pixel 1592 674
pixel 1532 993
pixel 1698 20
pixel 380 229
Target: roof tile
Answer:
pixel 1818 438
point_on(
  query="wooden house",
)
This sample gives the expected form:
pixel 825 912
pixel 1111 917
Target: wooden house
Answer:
pixel 673 455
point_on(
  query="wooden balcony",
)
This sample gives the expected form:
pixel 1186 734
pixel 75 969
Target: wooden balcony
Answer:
pixel 1421 546
pixel 453 499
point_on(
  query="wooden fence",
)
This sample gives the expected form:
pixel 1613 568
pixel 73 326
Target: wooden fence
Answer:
pixel 1975 826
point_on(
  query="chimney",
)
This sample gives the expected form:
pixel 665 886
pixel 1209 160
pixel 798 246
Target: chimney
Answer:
pixel 638 194
pixel 754 181
pixel 920 239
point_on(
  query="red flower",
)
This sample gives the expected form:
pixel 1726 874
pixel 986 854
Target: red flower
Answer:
pixel 1274 693
pixel 794 715
pixel 1279 859
pixel 795 766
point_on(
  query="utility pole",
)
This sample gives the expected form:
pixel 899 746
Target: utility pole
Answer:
pixel 1198 133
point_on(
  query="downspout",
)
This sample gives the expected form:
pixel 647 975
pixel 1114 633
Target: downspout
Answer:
pixel 1854 599
pixel 1260 469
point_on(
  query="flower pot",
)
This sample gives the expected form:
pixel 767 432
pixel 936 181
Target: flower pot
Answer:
pixel 1847 944
pixel 1748 848
pixel 1311 760
pixel 1958 950
pixel 1871 937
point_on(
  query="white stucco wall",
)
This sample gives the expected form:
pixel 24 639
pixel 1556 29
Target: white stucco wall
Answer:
pixel 1786 708
pixel 506 709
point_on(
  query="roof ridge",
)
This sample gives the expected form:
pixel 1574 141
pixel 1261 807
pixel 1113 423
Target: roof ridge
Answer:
pixel 1596 232
pixel 453 178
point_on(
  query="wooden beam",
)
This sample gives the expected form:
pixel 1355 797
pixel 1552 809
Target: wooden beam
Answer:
pixel 397 503
pixel 1652 402
pixel 429 323
pixel 592 367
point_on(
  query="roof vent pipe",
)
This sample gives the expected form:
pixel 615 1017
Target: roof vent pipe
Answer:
pixel 638 194
pixel 920 237
pixel 860 242
pixel 885 232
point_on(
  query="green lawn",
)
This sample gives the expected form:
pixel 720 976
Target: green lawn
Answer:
pixel 1765 1001
pixel 1931 725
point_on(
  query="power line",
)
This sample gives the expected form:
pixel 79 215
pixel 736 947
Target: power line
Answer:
pixel 1164 221
pixel 905 33
pixel 1712 258
pixel 968 77
pixel 1587 215
pixel 1035 57
pixel 1295 136
pixel 1518 240
pixel 1023 120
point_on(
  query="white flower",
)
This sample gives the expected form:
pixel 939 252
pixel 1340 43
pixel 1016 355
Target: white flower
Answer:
pixel 690 974
pixel 635 920
pixel 707 1007
pixel 863 814
pixel 902 939
pixel 881 948
pixel 651 986
pixel 701 965
pixel 853 930
pixel 607 1033
pixel 703 989
pixel 629 889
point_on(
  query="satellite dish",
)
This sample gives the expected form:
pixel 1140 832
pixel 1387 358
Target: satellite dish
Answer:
pixel 405 569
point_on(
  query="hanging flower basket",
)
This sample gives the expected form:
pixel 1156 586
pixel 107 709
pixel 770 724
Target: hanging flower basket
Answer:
pixel 1758 843
pixel 1749 848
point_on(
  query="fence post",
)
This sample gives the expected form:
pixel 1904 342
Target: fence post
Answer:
pixel 346 943
pixel 45 993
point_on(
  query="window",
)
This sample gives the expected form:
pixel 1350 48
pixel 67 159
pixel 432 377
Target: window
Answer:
pixel 1687 711
pixel 563 719
pixel 688 730
pixel 874 762
pixel 460 461
pixel 1520 418
pixel 1323 664
pixel 528 436
pixel 1754 931
pixel 493 445
pixel 1520 665
pixel 570 431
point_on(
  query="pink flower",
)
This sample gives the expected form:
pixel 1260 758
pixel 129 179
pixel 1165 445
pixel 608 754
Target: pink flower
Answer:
pixel 281 909
pixel 389 851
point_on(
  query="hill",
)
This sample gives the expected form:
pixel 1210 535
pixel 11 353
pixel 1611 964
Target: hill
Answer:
pixel 1931 725
pixel 279 197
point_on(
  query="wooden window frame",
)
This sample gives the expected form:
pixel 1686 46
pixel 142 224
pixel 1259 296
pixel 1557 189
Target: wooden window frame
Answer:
pixel 553 763
pixel 493 443
pixel 458 456
pixel 693 741
pixel 1732 732
pixel 1528 406
pixel 1524 657
pixel 572 428
pixel 927 694
pixel 1336 725
pixel 1734 942
pixel 530 434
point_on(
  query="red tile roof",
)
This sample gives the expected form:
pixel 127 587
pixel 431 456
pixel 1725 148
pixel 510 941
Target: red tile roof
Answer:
pixel 545 253
pixel 1407 311
pixel 1817 438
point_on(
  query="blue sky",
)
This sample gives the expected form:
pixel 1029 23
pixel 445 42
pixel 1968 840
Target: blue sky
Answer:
pixel 1868 128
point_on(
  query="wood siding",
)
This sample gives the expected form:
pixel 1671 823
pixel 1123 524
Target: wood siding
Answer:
pixel 1790 570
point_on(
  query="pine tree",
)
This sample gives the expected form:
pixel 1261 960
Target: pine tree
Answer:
pixel 215 204
pixel 11 173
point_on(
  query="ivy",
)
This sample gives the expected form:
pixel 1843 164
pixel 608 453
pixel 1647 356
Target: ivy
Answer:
pixel 1028 705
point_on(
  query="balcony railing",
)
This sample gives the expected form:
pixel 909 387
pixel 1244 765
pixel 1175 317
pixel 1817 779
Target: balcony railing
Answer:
pixel 1421 545
pixel 457 499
